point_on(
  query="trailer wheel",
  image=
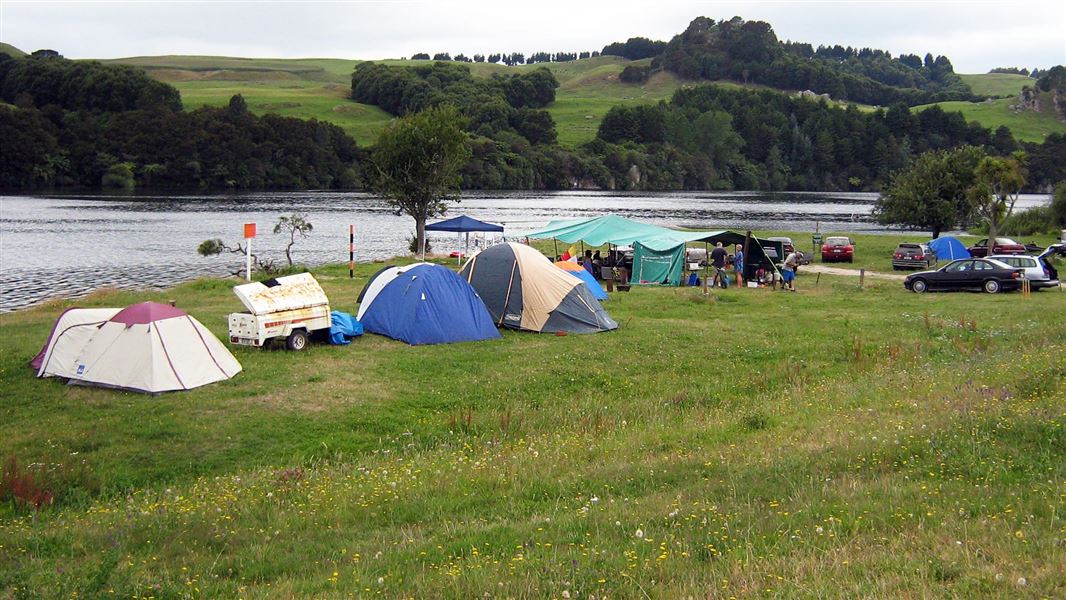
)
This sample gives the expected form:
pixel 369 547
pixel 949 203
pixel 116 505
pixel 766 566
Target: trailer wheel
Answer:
pixel 297 340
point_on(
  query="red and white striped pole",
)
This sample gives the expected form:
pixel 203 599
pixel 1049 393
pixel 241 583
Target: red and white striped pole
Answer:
pixel 351 251
pixel 249 234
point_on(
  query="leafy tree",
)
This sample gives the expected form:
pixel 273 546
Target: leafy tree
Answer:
pixel 635 48
pixel 999 181
pixel 1058 205
pixel 417 160
pixel 933 193
pixel 294 224
pixel 420 56
pixel 119 176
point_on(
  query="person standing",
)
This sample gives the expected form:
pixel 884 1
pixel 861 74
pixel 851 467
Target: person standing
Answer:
pixel 738 265
pixel 718 261
pixel 788 271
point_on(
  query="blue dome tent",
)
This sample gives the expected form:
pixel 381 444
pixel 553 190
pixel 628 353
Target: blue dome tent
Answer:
pixel 949 248
pixel 426 304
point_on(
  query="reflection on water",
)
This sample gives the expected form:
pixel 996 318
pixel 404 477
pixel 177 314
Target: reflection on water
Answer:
pixel 68 245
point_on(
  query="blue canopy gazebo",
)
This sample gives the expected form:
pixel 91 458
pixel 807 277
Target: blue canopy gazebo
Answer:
pixel 464 224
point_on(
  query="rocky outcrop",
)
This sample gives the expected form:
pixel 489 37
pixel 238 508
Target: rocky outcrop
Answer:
pixel 1029 99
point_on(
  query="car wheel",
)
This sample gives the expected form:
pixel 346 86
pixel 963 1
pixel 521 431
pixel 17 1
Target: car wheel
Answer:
pixel 991 286
pixel 919 286
pixel 297 340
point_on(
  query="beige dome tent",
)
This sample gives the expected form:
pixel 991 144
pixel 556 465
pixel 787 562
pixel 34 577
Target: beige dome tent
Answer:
pixel 147 347
pixel 523 290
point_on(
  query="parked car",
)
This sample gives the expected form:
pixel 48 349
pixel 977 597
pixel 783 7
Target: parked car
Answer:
pixel 788 246
pixel 975 274
pixel 838 248
pixel 913 256
pixel 1002 246
pixel 1035 268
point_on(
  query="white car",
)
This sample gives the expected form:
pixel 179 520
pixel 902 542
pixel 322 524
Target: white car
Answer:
pixel 1038 270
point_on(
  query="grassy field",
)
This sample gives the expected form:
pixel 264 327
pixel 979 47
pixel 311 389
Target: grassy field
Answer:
pixel 1026 125
pixel 834 442
pixel 996 84
pixel 11 50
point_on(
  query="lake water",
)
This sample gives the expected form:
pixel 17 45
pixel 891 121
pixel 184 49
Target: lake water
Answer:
pixel 68 245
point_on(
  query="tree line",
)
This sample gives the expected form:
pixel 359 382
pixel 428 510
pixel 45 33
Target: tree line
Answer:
pixel 509 59
pixel 705 137
pixel 749 52
pixel 91 125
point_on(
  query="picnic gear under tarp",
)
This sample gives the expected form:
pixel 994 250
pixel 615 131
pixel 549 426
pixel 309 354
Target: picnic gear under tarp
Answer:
pixel 426 304
pixel 948 248
pixel 581 273
pixel 463 224
pixel 659 243
pixel 146 347
pixel 522 289
pixel 343 327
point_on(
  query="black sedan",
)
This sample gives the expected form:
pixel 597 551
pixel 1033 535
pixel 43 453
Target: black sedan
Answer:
pixel 967 274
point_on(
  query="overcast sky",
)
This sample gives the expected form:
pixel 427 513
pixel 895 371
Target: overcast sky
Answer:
pixel 976 35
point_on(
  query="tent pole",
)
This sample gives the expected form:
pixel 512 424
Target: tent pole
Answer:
pixel 706 266
pixel 459 248
pixel 744 276
pixel 556 240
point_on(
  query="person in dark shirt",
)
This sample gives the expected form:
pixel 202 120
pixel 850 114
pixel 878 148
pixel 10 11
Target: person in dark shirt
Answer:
pixel 718 261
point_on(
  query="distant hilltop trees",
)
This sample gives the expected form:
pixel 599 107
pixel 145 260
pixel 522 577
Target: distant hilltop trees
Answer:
pixel 87 124
pixel 514 58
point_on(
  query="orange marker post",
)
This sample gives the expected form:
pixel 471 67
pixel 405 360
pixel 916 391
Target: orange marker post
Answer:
pixel 249 233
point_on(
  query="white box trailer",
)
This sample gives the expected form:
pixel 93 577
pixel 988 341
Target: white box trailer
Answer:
pixel 288 308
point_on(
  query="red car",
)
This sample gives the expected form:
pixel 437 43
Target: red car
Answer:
pixel 838 248
pixel 1002 246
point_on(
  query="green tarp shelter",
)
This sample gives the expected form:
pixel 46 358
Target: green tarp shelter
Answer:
pixel 657 266
pixel 658 252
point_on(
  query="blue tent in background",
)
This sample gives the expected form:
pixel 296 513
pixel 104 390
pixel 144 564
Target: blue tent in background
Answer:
pixel 463 224
pixel 427 304
pixel 949 248
pixel 578 271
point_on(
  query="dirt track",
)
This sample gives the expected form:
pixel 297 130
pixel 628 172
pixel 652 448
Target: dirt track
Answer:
pixel 852 272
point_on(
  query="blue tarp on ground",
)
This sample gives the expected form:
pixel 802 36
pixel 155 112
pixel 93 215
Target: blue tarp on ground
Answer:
pixel 429 304
pixel 949 248
pixel 343 328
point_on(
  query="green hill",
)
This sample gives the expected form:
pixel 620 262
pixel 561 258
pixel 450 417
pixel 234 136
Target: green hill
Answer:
pixel 1026 125
pixel 319 88
pixel 11 50
pixel 996 84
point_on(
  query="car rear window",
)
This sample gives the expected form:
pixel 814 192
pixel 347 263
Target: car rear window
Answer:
pixel 837 241
pixel 909 247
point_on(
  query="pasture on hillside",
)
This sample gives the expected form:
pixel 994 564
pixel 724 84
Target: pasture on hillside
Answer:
pixel 833 442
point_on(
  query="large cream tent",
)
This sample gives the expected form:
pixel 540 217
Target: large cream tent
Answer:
pixel 523 290
pixel 147 347
pixel 76 326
